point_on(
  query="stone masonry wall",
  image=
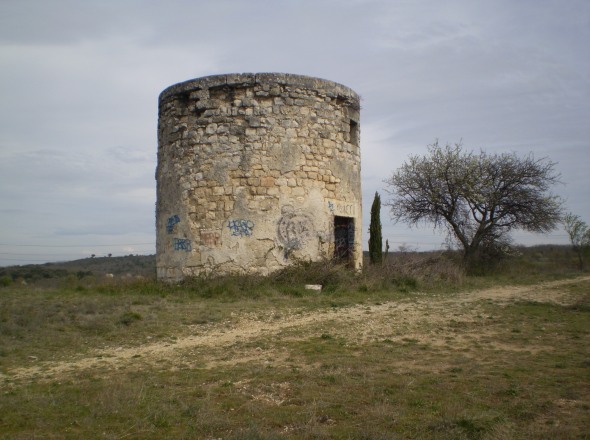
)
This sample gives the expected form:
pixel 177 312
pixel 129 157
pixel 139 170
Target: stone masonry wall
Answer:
pixel 256 171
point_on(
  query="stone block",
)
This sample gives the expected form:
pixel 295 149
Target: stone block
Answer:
pixel 298 191
pixel 267 181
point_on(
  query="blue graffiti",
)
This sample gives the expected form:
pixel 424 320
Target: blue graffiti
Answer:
pixel 240 228
pixel 172 222
pixel 330 206
pixel 182 244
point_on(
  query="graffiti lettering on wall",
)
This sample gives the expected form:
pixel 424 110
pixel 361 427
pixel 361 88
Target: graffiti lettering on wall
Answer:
pixel 210 237
pixel 337 207
pixel 182 244
pixel 294 229
pixel 171 224
pixel 240 227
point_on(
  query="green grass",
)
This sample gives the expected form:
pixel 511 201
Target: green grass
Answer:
pixel 467 370
pixel 351 391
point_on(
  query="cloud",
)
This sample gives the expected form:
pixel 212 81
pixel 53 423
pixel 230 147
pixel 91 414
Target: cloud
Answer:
pixel 80 83
pixel 64 21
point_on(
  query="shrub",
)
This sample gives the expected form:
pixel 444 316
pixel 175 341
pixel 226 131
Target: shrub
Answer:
pixel 5 281
pixel 129 318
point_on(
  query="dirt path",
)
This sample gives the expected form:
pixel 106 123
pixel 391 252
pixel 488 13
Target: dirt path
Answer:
pixel 417 318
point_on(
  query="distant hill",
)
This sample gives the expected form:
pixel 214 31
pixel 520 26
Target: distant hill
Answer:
pixel 145 265
pixel 132 265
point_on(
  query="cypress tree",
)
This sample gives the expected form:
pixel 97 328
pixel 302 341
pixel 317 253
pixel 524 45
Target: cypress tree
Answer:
pixel 375 238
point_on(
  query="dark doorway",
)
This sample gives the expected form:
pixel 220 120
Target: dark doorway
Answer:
pixel 343 239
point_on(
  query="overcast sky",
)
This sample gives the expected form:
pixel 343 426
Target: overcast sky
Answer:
pixel 79 83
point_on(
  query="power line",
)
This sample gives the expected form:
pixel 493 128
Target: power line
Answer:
pixel 74 245
pixel 60 261
pixel 24 259
pixel 79 255
pixel 37 254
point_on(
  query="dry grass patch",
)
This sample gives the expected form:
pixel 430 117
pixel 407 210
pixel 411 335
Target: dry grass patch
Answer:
pixel 168 362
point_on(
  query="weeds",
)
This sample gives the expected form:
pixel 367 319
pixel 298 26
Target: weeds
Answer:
pixel 480 370
pixel 129 318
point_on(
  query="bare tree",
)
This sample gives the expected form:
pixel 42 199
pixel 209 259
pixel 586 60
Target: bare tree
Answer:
pixel 579 235
pixel 477 198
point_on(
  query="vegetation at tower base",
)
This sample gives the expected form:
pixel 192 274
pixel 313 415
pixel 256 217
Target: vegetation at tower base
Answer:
pixel 479 198
pixel 579 236
pixel 375 237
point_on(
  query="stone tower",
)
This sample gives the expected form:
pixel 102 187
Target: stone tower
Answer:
pixel 256 171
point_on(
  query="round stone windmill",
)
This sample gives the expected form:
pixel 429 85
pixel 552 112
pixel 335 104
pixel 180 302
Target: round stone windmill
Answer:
pixel 255 172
